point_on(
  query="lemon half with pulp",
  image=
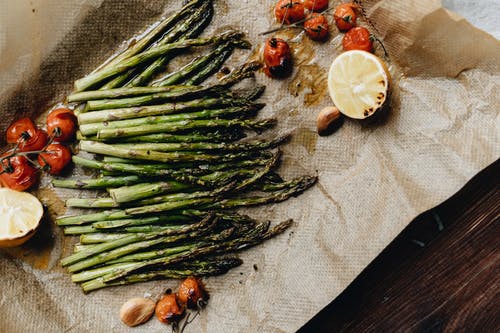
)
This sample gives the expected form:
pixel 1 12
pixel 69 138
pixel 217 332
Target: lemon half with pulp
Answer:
pixel 359 83
pixel 20 215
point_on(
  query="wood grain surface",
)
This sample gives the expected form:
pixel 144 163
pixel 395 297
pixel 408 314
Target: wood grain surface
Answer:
pixel 439 275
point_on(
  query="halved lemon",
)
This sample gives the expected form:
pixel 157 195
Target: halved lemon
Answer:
pixel 358 83
pixel 20 215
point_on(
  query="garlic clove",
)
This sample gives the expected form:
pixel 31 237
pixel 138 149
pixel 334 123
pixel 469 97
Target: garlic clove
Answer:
pixel 329 120
pixel 137 311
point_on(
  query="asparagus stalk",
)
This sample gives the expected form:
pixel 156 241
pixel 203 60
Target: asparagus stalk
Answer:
pixel 164 220
pixel 171 218
pixel 94 78
pixel 149 155
pixel 202 62
pixel 98 238
pixel 97 183
pixel 219 136
pixel 213 67
pixel 177 126
pixel 189 29
pixel 130 110
pixel 111 203
pixel 94 128
pixel 205 270
pixel 145 190
pixel 255 238
pixel 300 185
pixel 170 37
pixel 118 214
pixel 134 238
pixel 103 257
pixel 171 169
pixel 258 144
pixel 96 272
pixel 78 230
pixel 141 43
pixel 85 96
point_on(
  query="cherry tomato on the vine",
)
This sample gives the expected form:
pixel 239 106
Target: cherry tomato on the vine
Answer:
pixel 289 11
pixel 345 16
pixel 316 5
pixel 316 26
pixel 168 310
pixel 55 159
pixel 17 173
pixel 191 292
pixel 358 38
pixel 61 123
pixel 21 129
pixel 277 58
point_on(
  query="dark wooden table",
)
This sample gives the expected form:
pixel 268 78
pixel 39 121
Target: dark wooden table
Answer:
pixel 441 274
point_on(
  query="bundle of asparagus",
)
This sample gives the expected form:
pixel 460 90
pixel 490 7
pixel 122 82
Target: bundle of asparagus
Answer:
pixel 170 157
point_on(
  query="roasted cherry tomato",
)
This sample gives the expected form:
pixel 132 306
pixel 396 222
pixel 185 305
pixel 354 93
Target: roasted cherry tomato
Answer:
pixel 22 129
pixel 345 16
pixel 191 292
pixel 168 310
pixel 61 123
pixel 18 174
pixel 358 38
pixel 289 11
pixel 316 26
pixel 30 139
pixel 316 5
pixel 27 134
pixel 277 58
pixel 55 159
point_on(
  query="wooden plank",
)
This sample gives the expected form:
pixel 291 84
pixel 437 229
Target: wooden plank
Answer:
pixel 439 275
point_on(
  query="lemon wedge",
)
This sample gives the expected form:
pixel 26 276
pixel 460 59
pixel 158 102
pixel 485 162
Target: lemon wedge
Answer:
pixel 358 83
pixel 20 215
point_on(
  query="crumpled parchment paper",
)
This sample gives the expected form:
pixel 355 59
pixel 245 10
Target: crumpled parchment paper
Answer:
pixel 374 176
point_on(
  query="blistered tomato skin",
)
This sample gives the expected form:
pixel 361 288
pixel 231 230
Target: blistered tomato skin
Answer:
pixel 345 16
pixel 37 141
pixel 61 124
pixel 55 159
pixel 18 174
pixel 21 129
pixel 316 5
pixel 358 38
pixel 191 291
pixel 168 309
pixel 289 11
pixel 316 27
pixel 277 58
pixel 25 133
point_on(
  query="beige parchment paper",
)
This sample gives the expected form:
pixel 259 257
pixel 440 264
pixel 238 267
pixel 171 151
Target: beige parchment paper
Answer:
pixel 374 176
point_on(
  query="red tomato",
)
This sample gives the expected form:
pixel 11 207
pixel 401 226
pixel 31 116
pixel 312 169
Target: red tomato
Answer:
pixel 277 58
pixel 18 174
pixel 358 38
pixel 345 16
pixel 316 26
pixel 22 129
pixel 289 11
pixel 168 309
pixel 61 123
pixel 316 5
pixel 191 291
pixel 55 159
